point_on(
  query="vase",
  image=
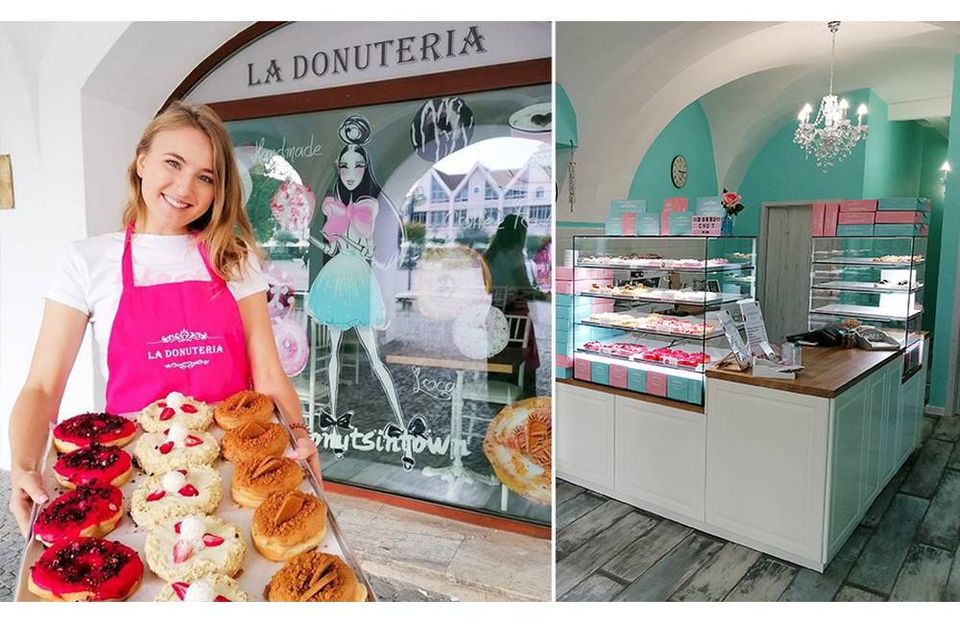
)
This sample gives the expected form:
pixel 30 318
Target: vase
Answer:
pixel 726 226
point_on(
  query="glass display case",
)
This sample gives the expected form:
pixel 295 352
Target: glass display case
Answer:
pixel 878 281
pixel 645 309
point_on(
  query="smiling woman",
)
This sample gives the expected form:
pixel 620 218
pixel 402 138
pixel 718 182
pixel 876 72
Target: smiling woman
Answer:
pixel 184 273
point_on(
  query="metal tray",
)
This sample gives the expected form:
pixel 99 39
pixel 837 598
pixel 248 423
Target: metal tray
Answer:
pixel 257 570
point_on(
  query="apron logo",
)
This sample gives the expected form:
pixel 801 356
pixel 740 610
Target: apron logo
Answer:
pixel 184 336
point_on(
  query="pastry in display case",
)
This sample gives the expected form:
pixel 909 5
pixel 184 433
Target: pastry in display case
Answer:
pixel 645 309
pixel 877 281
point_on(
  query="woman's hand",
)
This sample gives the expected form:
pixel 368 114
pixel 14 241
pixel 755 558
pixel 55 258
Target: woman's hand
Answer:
pixel 26 488
pixel 307 450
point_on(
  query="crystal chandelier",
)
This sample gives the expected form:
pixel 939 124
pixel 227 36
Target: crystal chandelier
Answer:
pixel 836 138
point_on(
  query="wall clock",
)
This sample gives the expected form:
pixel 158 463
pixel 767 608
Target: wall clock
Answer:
pixel 678 171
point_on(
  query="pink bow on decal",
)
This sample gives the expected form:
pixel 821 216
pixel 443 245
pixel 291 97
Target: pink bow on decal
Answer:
pixel 340 218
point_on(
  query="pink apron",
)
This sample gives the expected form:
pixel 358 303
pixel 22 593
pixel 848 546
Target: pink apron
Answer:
pixel 185 337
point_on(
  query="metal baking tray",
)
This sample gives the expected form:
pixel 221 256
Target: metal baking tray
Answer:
pixel 257 570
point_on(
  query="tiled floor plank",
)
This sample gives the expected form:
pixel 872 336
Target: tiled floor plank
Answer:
pixel 923 478
pixel 584 561
pixel 766 580
pixel 673 570
pixel 941 525
pixel 576 507
pixel 721 574
pixel 879 564
pixel 636 559
pixel 595 588
pixel 572 536
pixel 566 491
pixel 853 594
pixel 810 586
pixel 923 576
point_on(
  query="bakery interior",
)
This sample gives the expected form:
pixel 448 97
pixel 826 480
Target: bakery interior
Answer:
pixel 696 175
pixel 417 457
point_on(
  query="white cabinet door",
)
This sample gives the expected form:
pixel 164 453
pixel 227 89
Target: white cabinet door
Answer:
pixel 660 456
pixel 875 421
pixel 766 465
pixel 585 432
pixel 848 463
pixel 892 420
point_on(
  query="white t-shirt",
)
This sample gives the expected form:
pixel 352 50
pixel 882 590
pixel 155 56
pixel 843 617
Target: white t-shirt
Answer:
pixel 89 277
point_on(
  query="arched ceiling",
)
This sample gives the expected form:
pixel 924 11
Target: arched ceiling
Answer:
pixel 627 81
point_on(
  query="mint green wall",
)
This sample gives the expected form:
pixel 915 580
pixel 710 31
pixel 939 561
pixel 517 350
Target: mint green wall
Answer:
pixel 781 172
pixel 687 134
pixel 949 236
pixel 933 153
pixel 566 135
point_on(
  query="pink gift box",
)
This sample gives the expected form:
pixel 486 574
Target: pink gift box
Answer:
pixel 657 384
pixel 858 205
pixel 628 224
pixel 671 205
pixel 816 227
pixel 618 376
pixel 896 216
pixel 855 218
pixel 564 273
pixel 567 287
pixel 581 369
pixel 830 214
pixel 591 274
pixel 565 361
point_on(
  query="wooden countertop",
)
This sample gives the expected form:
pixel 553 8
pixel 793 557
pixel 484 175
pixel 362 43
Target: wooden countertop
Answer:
pixel 828 371
pixel 630 394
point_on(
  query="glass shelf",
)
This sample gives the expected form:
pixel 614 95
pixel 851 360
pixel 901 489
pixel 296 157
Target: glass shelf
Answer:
pixel 719 301
pixel 866 287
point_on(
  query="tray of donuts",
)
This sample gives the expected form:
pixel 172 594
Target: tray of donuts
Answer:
pixel 185 501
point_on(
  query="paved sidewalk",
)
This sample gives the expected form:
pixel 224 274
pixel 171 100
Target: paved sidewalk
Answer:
pixel 407 555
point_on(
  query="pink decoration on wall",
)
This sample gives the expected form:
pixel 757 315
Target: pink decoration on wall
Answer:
pixel 292 345
pixel 292 206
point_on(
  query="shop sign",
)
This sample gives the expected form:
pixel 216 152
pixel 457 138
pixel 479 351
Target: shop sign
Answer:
pixel 427 47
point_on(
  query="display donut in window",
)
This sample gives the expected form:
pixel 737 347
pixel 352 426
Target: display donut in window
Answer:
pixel 175 298
pixel 518 445
pixel 441 127
pixel 362 227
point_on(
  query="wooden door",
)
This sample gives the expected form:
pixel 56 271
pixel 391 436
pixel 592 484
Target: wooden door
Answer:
pixel 785 258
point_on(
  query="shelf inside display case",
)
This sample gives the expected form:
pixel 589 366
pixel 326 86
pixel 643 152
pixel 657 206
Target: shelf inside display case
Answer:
pixel 655 332
pixel 661 265
pixel 697 299
pixel 876 280
pixel 863 312
pixel 868 262
pixel 871 287
pixel 707 335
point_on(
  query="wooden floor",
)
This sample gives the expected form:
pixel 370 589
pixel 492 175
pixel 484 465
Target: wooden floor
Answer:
pixel 905 549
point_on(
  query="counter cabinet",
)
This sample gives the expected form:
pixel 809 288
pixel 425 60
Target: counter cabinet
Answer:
pixel 787 473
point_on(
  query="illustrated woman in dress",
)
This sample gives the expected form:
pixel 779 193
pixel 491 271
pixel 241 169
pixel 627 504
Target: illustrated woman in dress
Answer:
pixel 345 294
pixel 175 299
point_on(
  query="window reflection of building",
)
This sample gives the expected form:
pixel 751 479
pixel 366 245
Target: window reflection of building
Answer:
pixel 481 198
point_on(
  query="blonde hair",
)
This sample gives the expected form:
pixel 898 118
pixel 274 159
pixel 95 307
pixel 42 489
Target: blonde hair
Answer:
pixel 224 227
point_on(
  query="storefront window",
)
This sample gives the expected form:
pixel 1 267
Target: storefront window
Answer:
pixel 412 311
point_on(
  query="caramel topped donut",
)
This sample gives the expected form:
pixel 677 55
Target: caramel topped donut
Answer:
pixel 254 481
pixel 243 407
pixel 86 568
pixel 88 511
pixel 315 577
pixel 106 464
pixel 288 523
pixel 253 441
pixel 93 428
pixel 177 409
